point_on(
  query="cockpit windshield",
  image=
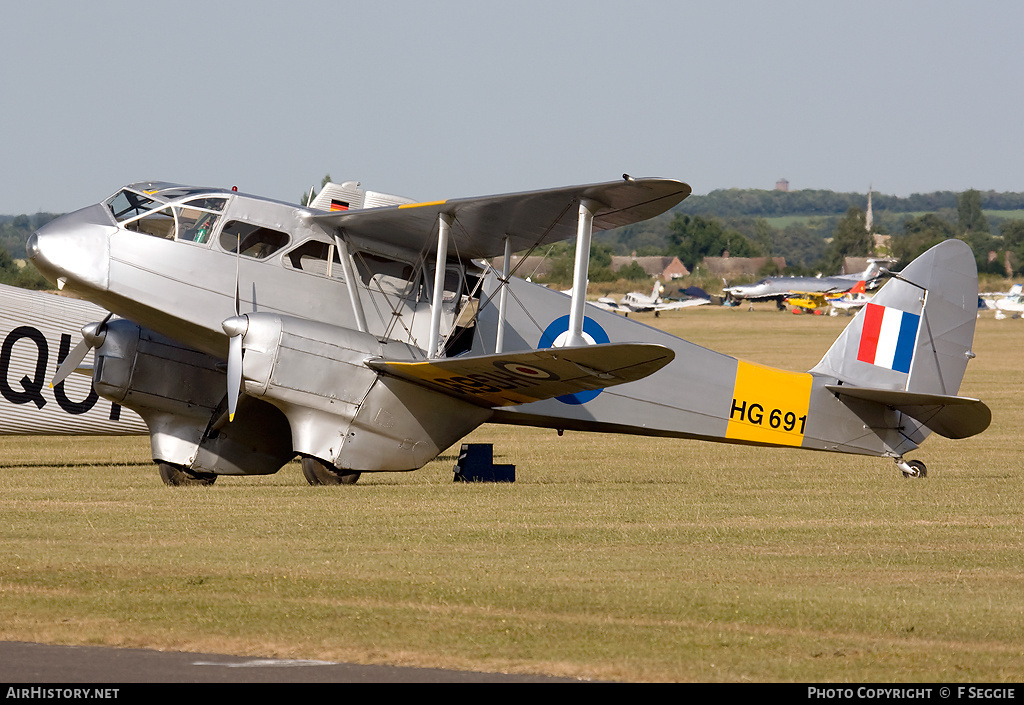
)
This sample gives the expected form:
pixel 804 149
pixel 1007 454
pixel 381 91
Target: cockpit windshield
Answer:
pixel 127 204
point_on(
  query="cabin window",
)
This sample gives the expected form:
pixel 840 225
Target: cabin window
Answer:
pixel 389 276
pixel 316 257
pixel 256 241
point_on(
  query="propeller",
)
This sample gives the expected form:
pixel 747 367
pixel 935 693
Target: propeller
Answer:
pixel 235 327
pixel 93 335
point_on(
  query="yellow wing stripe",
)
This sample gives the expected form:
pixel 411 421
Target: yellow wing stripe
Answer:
pixel 769 405
pixel 422 205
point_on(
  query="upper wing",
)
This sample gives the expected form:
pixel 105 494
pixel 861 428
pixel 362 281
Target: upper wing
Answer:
pixel 506 379
pixel 480 225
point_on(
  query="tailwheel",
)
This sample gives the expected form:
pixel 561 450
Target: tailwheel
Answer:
pixel 177 476
pixel 912 468
pixel 318 472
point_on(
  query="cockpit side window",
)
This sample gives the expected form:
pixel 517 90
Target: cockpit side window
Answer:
pixel 192 220
pixel 251 240
pixel 316 257
pixel 198 217
pixel 156 223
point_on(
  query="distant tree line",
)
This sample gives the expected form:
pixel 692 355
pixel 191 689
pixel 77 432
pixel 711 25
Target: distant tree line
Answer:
pixel 729 203
pixel 14 232
pixel 825 227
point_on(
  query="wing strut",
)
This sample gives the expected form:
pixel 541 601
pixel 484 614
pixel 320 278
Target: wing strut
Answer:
pixel 581 272
pixel 506 267
pixel 350 283
pixel 444 224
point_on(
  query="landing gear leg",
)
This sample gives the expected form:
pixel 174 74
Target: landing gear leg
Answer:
pixel 913 468
pixel 176 476
pixel 318 472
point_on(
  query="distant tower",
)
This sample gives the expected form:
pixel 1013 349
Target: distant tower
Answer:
pixel 781 185
pixel 869 219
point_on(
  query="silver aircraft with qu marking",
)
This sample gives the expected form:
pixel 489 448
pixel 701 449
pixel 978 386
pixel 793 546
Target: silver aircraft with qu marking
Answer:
pixel 365 333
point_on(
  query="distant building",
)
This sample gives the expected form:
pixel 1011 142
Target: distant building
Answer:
pixel 664 268
pixel 534 266
pixel 781 185
pixel 855 265
pixel 735 266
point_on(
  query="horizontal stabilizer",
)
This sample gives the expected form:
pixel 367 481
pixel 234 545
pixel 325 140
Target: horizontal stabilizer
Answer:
pixel 949 416
pixel 507 379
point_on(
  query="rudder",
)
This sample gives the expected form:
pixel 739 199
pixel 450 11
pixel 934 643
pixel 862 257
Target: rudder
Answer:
pixel 916 333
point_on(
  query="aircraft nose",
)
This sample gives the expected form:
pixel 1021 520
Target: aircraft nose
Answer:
pixel 74 249
pixel 32 246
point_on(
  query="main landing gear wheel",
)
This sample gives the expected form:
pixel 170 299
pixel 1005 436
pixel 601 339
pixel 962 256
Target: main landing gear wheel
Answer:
pixel 913 468
pixel 318 472
pixel 177 476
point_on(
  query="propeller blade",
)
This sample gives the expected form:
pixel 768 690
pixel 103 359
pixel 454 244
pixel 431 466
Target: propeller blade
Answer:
pixel 234 374
pixel 235 328
pixel 238 254
pixel 93 335
pixel 71 362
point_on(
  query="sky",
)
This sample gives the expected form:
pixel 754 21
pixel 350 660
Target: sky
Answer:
pixel 457 98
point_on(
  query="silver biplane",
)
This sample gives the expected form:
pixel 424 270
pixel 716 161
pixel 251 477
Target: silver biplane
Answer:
pixel 365 333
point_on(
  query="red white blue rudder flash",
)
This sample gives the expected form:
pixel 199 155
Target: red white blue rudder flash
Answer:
pixel 888 338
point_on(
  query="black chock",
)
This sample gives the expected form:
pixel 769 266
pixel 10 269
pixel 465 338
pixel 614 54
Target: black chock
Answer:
pixel 476 464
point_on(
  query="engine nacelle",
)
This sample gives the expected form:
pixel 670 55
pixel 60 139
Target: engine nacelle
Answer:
pixel 339 409
pixel 180 393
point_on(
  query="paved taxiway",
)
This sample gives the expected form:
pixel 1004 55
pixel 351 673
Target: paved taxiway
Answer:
pixel 33 664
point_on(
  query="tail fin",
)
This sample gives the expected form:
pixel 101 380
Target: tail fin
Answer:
pixel 858 288
pixel 917 332
pixel 874 268
pixel 909 347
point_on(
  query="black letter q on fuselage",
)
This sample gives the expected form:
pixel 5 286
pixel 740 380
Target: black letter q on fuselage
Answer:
pixel 31 388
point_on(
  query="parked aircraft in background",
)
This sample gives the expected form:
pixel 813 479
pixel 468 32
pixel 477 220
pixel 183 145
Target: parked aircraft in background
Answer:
pixel 778 288
pixel 819 303
pixel 371 339
pixel 808 302
pixel 1012 303
pixel 635 302
pixel 850 302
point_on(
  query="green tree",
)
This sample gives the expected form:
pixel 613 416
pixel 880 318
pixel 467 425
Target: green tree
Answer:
pixel 307 198
pixel 801 246
pixel 633 272
pixel 24 277
pixel 850 239
pixel 919 234
pixel 1013 240
pixel 970 217
pixel 694 237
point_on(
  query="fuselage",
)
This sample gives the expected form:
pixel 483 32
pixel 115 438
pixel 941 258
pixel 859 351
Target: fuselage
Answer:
pixel 777 287
pixel 167 257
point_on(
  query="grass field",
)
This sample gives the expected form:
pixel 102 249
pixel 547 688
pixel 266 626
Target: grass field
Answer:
pixel 609 558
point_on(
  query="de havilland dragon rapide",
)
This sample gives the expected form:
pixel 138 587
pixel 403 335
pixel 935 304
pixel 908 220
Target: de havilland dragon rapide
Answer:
pixel 367 332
